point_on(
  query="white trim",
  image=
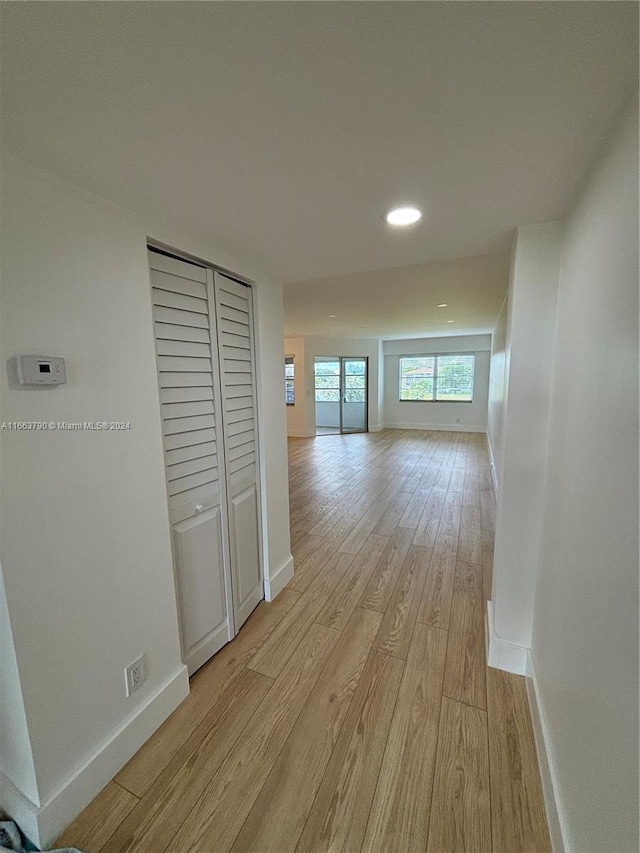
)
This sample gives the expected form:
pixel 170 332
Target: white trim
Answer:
pixel 556 821
pixel 43 825
pixel 376 427
pixel 442 427
pixel 273 586
pixel 301 434
pixel 492 464
pixel 500 653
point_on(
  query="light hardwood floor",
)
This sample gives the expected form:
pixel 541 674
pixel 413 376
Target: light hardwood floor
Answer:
pixel 355 712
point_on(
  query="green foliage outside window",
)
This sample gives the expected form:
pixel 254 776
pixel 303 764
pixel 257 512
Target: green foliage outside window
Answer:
pixel 442 378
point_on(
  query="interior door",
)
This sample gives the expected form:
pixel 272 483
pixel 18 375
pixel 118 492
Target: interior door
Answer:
pixel 187 365
pixel 237 375
pixel 353 396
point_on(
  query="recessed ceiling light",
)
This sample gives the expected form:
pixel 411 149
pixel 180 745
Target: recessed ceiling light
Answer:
pixel 443 305
pixel 405 215
pixel 332 316
pixel 450 321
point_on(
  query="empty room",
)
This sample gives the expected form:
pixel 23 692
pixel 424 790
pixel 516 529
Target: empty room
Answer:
pixel 319 426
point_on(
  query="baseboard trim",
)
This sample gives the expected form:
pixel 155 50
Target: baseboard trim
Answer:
pixel 376 428
pixel 492 464
pixel 300 434
pixel 438 427
pixel 548 775
pixel 500 653
pixel 44 824
pixel 280 579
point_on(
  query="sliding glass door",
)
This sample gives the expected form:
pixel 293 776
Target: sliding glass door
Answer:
pixel 340 394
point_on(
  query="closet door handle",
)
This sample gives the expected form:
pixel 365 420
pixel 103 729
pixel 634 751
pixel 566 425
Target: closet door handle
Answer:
pixel 199 508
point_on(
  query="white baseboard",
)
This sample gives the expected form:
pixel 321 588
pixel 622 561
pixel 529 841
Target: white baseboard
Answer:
pixel 376 427
pixel 492 464
pixel 548 775
pixel 500 653
pixel 301 434
pixel 440 427
pixel 280 579
pixel 43 824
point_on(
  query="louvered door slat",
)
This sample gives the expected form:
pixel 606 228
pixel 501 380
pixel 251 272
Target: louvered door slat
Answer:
pixel 196 422
pixel 167 299
pixel 177 363
pixel 178 379
pixel 189 409
pixel 191 466
pixel 183 348
pixel 234 380
pixel 233 328
pixel 237 403
pixel 188 439
pixel 180 317
pixel 187 394
pixel 175 284
pixel 193 451
pixel 230 340
pixel 174 332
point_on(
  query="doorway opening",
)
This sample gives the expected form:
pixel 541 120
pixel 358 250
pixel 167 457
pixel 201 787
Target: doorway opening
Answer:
pixel 341 394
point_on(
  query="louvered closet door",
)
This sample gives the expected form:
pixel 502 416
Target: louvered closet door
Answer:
pixel 191 422
pixel 235 343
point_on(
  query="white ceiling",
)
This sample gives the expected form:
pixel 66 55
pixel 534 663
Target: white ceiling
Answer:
pixel 401 302
pixel 282 131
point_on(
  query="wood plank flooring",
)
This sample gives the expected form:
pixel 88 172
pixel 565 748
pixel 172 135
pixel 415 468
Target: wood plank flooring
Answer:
pixel 355 712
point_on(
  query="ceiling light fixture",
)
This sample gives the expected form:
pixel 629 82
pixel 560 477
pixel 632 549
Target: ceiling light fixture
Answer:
pixel 450 321
pixel 332 316
pixel 443 305
pixel 407 214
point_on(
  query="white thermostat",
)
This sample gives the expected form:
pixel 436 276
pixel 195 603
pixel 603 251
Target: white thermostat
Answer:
pixel 40 370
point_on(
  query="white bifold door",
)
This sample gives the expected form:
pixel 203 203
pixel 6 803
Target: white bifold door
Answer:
pixel 205 356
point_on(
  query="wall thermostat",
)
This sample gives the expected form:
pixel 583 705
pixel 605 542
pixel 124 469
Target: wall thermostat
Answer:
pixel 40 370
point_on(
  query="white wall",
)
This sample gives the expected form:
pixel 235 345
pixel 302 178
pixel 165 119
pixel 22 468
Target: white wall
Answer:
pixel 585 629
pixel 16 757
pixel 296 413
pixel 86 556
pixel 497 402
pixel 528 354
pixel 448 416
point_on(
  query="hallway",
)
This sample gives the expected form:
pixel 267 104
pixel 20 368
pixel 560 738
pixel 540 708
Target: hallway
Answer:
pixel 355 712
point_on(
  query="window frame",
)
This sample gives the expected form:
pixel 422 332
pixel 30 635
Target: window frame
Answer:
pixel 290 359
pixel 435 356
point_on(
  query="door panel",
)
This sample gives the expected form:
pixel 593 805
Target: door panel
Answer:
pixel 199 556
pixel 353 398
pixel 245 552
pixel 234 315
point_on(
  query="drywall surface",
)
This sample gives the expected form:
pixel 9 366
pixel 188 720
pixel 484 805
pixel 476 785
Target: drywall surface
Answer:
pixel 585 630
pixel 528 351
pixel 16 758
pixel 416 415
pixel 496 407
pixel 86 550
pixel 296 413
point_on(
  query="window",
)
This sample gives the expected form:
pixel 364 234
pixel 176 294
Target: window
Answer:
pixel 289 381
pixel 327 380
pixel 437 378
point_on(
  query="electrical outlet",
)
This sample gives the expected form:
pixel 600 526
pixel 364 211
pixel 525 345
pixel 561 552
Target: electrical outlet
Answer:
pixel 134 675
